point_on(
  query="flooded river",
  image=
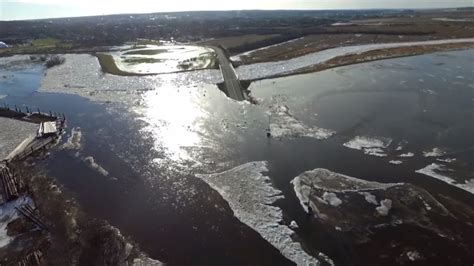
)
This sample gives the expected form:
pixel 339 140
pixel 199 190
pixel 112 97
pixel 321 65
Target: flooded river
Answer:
pixel 191 176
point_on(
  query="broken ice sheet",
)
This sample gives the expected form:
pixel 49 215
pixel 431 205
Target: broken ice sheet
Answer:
pixel 250 196
pixel 365 204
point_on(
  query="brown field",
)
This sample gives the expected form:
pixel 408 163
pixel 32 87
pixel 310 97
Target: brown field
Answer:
pixel 382 30
pixel 235 41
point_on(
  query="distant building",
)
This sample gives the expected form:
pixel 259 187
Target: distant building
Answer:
pixel 3 45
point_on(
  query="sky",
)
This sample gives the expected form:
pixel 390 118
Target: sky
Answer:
pixel 33 9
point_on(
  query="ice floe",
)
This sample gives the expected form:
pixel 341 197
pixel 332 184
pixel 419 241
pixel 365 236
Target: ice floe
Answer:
pixel 92 164
pixel 406 155
pixel 435 170
pixel 370 146
pixel 327 180
pixel 250 196
pixel 74 141
pixel 435 152
pixel 396 162
pixel 446 160
pixel 284 124
pixel 360 211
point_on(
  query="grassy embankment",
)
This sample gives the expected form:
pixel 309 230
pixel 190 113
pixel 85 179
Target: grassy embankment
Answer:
pixel 39 46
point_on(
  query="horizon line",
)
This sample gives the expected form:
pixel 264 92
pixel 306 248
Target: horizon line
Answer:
pixel 239 10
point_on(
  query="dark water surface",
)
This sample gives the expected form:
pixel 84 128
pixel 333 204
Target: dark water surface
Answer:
pixel 154 150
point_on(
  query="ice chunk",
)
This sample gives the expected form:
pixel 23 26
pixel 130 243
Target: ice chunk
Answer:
pixel 370 146
pixel 294 225
pixel 370 198
pixel 91 162
pixel 74 141
pixel 384 208
pixel 446 160
pixel 414 255
pixel 284 124
pixel 406 155
pixel 250 196
pixel 435 152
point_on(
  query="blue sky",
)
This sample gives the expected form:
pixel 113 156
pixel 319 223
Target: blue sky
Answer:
pixel 31 9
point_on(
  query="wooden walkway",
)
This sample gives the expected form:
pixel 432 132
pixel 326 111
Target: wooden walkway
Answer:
pixel 11 185
pixel 35 258
pixel 32 215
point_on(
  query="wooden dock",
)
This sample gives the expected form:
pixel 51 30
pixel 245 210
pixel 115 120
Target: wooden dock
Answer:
pixel 38 143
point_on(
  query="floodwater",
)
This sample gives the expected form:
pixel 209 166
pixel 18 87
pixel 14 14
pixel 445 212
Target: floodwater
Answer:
pixel 173 148
pixel 151 59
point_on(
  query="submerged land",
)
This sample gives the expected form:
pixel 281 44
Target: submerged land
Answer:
pixel 249 137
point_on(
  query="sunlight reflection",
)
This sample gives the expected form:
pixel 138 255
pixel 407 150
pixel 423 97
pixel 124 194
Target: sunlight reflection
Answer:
pixel 173 115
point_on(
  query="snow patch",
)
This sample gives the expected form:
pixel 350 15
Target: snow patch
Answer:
pixel 332 199
pixel 250 196
pixel 396 162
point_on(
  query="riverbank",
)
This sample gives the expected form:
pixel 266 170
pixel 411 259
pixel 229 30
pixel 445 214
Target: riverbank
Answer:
pixel 375 55
pixel 41 224
pixel 345 55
